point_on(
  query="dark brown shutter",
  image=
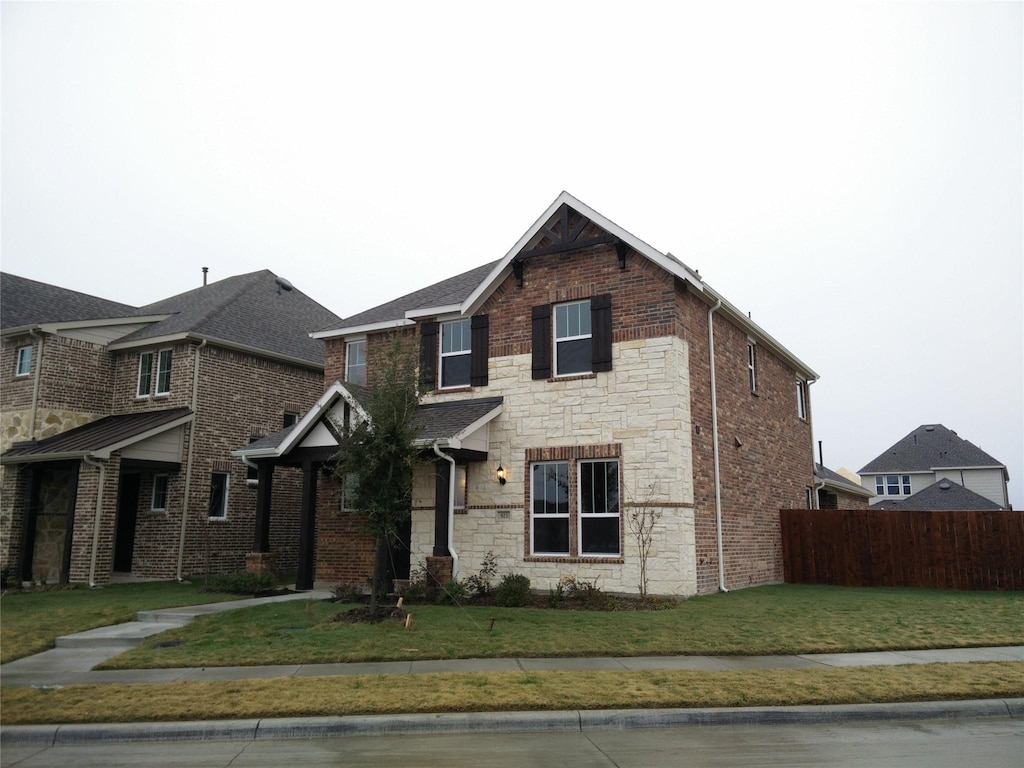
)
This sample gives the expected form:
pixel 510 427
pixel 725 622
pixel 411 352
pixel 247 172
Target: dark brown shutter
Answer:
pixel 542 342
pixel 428 354
pixel 601 328
pixel 478 350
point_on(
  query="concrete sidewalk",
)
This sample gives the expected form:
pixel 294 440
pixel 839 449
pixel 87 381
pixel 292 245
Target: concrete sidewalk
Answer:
pixel 71 663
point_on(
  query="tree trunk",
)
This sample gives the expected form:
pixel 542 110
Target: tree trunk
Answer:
pixel 379 571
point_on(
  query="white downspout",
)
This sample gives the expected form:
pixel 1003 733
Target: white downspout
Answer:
pixel 96 522
pixel 451 511
pixel 815 504
pixel 188 461
pixel 714 438
pixel 35 385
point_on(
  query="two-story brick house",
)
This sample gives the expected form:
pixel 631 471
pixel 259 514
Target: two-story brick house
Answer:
pixel 118 424
pixel 580 379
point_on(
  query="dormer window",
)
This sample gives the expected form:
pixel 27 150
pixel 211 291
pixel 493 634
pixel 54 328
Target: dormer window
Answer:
pixel 455 353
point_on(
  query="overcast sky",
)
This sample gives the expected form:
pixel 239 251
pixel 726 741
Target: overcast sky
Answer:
pixel 849 173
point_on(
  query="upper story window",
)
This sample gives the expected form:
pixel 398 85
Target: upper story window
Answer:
pixel 355 362
pixel 290 419
pixel 572 338
pixel 146 373
pixel 456 347
pixel 23 364
pixel 752 365
pixel 892 485
pixel 801 399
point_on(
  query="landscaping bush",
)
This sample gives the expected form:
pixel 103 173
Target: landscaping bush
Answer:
pixel 243 583
pixel 513 591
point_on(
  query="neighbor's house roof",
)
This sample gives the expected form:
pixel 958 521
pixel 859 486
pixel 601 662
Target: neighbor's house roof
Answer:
pixel 930 447
pixel 837 482
pixel 464 294
pixel 944 495
pixel 99 438
pixel 26 303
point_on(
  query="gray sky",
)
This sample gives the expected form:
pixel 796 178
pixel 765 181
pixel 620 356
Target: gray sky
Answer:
pixel 849 173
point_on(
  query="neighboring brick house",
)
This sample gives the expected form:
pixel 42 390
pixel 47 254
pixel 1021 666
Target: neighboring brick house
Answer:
pixel 838 492
pixel 573 387
pixel 930 454
pixel 113 416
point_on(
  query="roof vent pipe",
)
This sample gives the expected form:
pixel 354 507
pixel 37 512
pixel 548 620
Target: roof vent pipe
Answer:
pixel 205 270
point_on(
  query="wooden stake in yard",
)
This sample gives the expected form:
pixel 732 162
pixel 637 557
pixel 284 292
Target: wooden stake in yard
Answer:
pixel 400 601
pixel 408 620
pixel 309 606
pixel 491 628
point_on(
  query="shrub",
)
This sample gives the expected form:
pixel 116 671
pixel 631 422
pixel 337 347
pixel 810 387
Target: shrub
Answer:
pixel 454 592
pixel 513 590
pixel 479 584
pixel 243 583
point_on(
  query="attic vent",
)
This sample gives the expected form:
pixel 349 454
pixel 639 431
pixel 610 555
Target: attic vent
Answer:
pixel 929 428
pixel 944 486
pixel 283 285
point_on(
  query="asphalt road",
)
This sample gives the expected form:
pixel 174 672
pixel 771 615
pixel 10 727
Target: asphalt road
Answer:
pixel 954 743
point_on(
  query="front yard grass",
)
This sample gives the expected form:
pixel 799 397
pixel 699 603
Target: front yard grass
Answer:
pixel 779 619
pixel 31 620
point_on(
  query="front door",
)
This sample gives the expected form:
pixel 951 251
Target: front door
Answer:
pixel 127 510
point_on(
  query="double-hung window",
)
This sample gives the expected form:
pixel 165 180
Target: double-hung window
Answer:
pixel 145 381
pixel 549 491
pixel 456 346
pixel 163 372
pixel 23 365
pixel 752 365
pixel 355 362
pixel 599 507
pixel 219 495
pixel 572 338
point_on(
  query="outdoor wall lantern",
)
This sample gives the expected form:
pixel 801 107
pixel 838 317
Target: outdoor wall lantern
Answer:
pixel 501 474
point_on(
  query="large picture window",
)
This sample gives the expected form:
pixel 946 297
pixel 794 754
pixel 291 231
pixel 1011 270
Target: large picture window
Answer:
pixel 572 338
pixel 549 491
pixel 599 507
pixel 456 346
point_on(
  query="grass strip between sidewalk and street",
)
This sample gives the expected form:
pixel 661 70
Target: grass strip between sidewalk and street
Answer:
pixel 507 691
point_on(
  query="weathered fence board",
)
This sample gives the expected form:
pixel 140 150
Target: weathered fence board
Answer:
pixel 942 550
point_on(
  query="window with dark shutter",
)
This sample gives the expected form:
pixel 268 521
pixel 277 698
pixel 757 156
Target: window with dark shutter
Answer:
pixel 428 354
pixel 601 328
pixel 478 355
pixel 542 342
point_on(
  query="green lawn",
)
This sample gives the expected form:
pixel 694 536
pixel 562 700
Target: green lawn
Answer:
pixel 778 619
pixel 31 620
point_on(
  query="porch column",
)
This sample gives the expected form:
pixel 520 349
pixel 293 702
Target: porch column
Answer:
pixel 307 527
pixel 28 520
pixel 264 494
pixel 442 470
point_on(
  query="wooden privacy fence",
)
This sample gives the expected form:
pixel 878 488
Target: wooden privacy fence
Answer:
pixel 942 550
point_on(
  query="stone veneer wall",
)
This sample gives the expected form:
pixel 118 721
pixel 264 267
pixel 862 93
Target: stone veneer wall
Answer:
pixel 642 405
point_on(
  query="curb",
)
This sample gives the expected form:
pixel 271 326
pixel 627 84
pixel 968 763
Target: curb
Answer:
pixel 500 722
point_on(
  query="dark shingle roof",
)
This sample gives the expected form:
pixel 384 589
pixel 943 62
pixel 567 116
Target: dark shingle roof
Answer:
pixel 930 446
pixel 94 436
pixel 29 302
pixel 251 310
pixel 444 420
pixel 835 479
pixel 454 290
pixel 944 495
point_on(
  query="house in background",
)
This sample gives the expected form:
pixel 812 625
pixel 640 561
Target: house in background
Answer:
pixel 581 379
pixel 929 454
pixel 941 496
pixel 117 426
pixel 836 491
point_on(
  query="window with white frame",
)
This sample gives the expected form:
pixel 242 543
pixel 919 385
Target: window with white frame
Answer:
pixel 573 338
pixel 892 485
pixel 455 349
pixel 23 363
pixel 163 372
pixel 752 365
pixel 549 508
pixel 219 482
pixel 145 380
pixel 159 501
pixel 355 362
pixel 801 399
pixel 599 507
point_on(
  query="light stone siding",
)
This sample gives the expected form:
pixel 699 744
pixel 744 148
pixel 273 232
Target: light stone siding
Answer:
pixel 642 405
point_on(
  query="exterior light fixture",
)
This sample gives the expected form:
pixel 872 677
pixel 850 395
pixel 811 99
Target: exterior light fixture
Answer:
pixel 501 475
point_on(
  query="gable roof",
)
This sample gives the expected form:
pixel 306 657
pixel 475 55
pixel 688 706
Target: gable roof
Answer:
pixel 25 302
pixel 98 438
pixel 837 482
pixel 929 447
pixel 257 311
pixel 464 294
pixel 941 496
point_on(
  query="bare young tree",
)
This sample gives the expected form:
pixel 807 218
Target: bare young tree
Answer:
pixel 642 518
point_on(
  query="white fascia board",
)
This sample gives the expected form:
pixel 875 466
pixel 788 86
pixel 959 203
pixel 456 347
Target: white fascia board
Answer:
pixel 105 452
pixel 304 425
pixel 503 267
pixel 384 325
pixel 860 490
pixel 761 336
pixel 447 309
